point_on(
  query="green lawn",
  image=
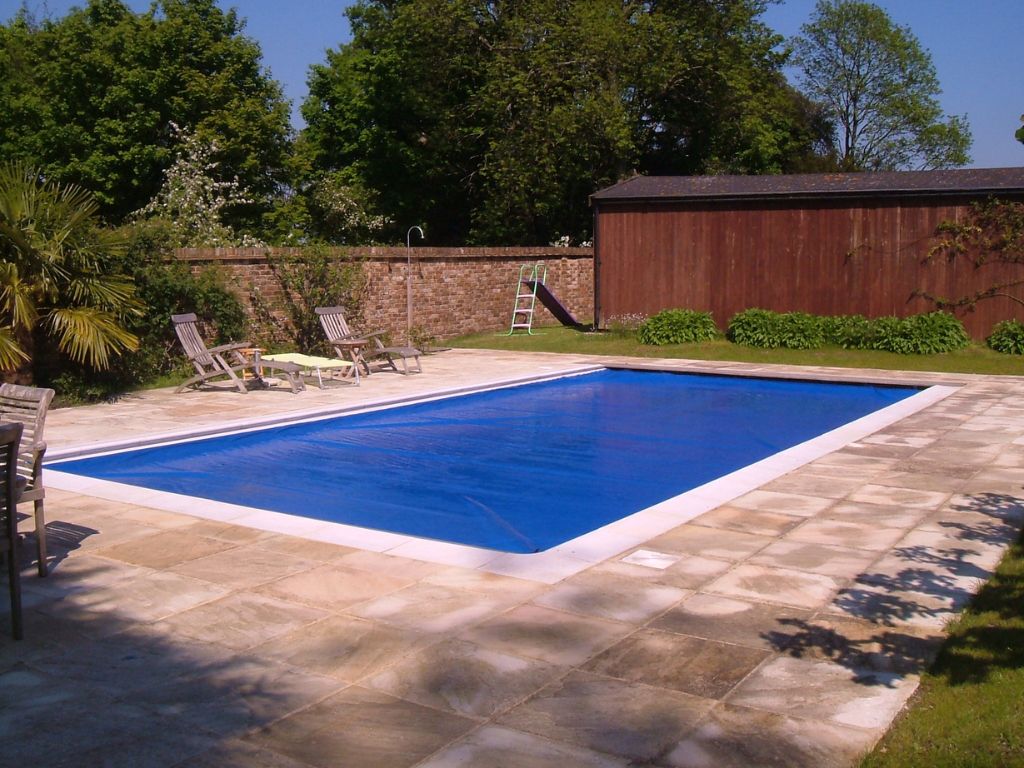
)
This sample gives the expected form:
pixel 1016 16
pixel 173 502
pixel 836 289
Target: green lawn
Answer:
pixel 973 359
pixel 969 710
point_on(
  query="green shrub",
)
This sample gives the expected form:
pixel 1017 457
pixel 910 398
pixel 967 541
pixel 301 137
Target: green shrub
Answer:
pixel 754 328
pixel 770 330
pixel 677 326
pixel 1007 337
pixel 847 331
pixel 927 334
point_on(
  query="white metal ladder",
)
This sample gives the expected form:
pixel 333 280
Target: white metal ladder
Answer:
pixel 530 276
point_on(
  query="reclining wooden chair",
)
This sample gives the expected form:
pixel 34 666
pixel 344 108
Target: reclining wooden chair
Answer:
pixel 364 347
pixel 28 406
pixel 210 363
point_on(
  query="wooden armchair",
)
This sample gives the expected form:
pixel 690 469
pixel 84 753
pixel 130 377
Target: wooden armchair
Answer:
pixel 27 406
pixel 363 347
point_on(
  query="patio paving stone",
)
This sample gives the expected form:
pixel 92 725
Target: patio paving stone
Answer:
pixel 241 620
pixel 633 721
pixel 429 608
pixel 855 644
pixel 882 515
pixel 245 566
pixel 749 520
pixel 679 662
pixel 777 585
pixel 708 542
pixel 463 678
pixel 824 485
pixel 738 622
pixel 611 597
pixel 905 497
pixel 688 572
pixel 304 548
pixel 497 747
pixel 842 533
pixel 164 549
pixel 334 586
pixel 343 647
pixel 552 636
pixel 838 562
pixel 786 503
pixel 861 698
pixel 739 737
pixel 360 727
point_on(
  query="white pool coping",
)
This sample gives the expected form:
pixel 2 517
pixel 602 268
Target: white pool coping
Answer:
pixel 548 567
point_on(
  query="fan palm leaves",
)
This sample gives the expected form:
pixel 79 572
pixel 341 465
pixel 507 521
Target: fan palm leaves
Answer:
pixel 56 272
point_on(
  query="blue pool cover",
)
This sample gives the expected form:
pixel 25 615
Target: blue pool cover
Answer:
pixel 519 469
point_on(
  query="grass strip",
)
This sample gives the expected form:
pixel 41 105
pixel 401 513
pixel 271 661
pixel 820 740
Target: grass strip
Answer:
pixel 969 709
pixel 973 359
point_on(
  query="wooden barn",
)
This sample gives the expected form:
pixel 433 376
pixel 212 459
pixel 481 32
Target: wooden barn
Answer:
pixel 830 244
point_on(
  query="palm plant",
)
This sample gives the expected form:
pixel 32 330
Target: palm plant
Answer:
pixel 55 272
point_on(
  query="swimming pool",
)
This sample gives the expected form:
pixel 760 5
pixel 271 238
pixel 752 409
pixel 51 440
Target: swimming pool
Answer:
pixel 517 470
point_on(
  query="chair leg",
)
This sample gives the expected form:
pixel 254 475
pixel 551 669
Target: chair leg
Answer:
pixel 44 568
pixel 14 584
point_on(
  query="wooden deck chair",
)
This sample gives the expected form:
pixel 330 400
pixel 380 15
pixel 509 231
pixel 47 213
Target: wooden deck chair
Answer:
pixel 28 406
pixel 340 336
pixel 10 435
pixel 210 363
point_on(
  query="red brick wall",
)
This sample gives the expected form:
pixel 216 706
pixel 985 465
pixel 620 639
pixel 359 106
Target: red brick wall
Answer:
pixel 455 290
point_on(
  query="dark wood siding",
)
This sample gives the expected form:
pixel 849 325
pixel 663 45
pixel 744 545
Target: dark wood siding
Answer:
pixel 828 257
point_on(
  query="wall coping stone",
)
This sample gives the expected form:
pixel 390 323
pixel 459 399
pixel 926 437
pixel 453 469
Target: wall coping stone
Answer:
pixel 389 253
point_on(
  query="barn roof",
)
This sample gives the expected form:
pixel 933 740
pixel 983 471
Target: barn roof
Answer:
pixel 986 181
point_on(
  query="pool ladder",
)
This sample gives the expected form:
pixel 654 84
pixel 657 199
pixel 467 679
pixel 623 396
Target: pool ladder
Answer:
pixel 530 276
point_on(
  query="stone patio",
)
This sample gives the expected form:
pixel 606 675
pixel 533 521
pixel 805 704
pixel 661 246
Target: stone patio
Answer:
pixel 786 627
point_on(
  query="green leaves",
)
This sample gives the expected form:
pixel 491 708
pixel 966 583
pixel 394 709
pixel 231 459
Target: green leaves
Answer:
pixel 89 97
pixel 880 87
pixel 924 334
pixel 57 270
pixel 677 326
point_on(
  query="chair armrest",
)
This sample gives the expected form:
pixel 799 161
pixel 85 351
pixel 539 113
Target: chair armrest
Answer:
pixel 38 451
pixel 229 347
pixel 374 334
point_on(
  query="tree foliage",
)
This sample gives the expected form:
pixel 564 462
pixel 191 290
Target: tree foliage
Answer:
pixel 881 89
pixel 56 273
pixel 89 98
pixel 492 122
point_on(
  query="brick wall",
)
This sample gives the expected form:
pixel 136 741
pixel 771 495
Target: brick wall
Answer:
pixel 454 290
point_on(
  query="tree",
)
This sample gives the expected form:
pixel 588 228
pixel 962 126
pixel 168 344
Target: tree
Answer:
pixel 1020 132
pixel 89 98
pixel 55 273
pixel 881 89
pixel 492 122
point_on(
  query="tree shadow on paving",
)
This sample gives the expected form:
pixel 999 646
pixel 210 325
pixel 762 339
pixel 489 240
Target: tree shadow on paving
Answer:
pixel 890 620
pixel 93 683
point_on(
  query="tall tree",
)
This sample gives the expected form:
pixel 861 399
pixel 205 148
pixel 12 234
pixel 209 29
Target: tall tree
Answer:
pixel 492 122
pixel 90 97
pixel 881 88
pixel 1020 132
pixel 56 273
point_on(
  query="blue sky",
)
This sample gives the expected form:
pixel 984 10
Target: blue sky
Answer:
pixel 975 45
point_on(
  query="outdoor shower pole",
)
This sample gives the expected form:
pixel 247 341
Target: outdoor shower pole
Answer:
pixel 408 283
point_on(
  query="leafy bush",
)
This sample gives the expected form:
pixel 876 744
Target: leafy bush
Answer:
pixel 934 333
pixel 754 328
pixel 677 326
pixel 926 334
pixel 847 331
pixel 770 330
pixel 1007 337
